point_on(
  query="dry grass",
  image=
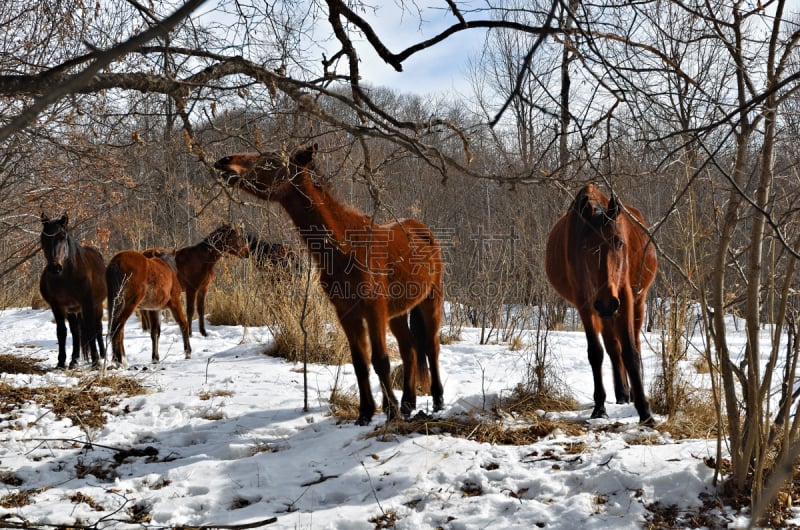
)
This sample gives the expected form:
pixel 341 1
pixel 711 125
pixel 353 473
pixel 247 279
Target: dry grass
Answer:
pixel 696 417
pixel 84 403
pixel 15 364
pixel 206 395
pixel 237 296
pixel 343 404
pixel 276 299
pixel 523 400
pixel 21 289
pixel 481 429
pixel 18 499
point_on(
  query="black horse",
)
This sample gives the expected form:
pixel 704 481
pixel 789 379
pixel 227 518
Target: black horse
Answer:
pixel 74 284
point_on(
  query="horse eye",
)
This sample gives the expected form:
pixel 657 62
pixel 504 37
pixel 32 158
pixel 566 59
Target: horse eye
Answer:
pixel 619 244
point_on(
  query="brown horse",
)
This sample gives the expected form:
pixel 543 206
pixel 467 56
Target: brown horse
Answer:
pixel 151 284
pixel 74 284
pixel 196 263
pixel 601 260
pixel 373 274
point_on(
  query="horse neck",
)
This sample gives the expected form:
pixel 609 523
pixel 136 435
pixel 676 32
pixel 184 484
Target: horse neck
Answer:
pixel 74 254
pixel 210 254
pixel 317 214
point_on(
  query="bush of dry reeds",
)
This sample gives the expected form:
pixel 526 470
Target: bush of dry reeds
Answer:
pixel 290 303
pixel 21 289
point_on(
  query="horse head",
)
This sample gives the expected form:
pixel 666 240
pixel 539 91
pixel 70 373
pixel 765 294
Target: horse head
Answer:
pixel 602 252
pixel 229 239
pixel 55 242
pixel 266 175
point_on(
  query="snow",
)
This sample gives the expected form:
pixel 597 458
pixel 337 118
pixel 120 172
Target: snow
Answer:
pixel 250 453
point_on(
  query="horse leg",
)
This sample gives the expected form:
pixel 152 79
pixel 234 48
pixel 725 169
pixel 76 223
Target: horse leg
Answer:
pixel 191 296
pixel 153 319
pixel 595 351
pixel 174 306
pixel 356 334
pixel 61 337
pixel 405 343
pixel 632 360
pixel 89 331
pixel 75 325
pixel 98 326
pixel 120 315
pixel 376 325
pixel 201 310
pixel 614 350
pixel 430 309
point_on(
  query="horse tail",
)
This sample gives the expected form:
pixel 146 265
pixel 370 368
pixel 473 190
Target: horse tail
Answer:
pixel 115 281
pixel 422 377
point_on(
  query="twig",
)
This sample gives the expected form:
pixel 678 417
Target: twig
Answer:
pixel 372 488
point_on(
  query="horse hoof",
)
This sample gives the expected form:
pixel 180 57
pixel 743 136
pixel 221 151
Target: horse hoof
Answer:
pixel 650 421
pixel 73 364
pixel 61 366
pixel 362 421
pixel 599 414
pixel 438 404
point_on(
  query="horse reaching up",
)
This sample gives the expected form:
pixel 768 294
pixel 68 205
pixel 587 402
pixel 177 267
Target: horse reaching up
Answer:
pixel 74 284
pixel 151 284
pixel 600 260
pixel 374 274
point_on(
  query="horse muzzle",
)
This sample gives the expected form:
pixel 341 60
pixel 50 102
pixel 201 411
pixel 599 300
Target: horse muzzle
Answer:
pixel 608 309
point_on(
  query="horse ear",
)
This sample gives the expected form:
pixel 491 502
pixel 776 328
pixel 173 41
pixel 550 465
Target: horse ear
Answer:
pixel 304 156
pixel 64 220
pixel 43 217
pixel 613 208
pixel 585 208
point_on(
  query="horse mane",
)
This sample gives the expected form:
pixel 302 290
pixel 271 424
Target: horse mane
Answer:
pixel 593 207
pixel 212 241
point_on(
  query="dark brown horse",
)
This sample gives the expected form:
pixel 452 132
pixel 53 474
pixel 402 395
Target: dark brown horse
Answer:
pixel 74 284
pixel 269 255
pixel 601 260
pixel 196 267
pixel 374 274
pixel 151 284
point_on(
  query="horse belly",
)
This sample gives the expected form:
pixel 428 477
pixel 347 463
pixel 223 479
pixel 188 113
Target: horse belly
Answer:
pixel 58 295
pixel 556 264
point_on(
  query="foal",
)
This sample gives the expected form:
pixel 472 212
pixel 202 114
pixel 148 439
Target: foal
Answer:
pixel 373 274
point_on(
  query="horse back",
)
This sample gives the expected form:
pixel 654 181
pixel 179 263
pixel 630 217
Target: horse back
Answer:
pixel 95 269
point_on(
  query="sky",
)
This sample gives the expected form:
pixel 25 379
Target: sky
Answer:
pixel 441 69
pixel 222 439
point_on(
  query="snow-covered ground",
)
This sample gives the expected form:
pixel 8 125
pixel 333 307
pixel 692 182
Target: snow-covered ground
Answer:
pixel 250 453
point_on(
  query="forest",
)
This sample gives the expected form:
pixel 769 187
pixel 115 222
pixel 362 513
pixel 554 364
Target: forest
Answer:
pixel 115 112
